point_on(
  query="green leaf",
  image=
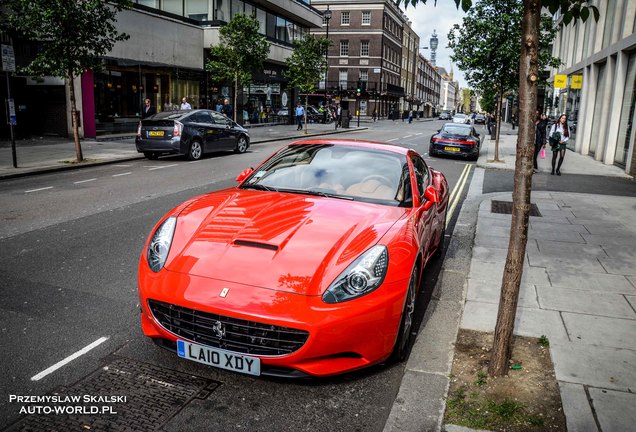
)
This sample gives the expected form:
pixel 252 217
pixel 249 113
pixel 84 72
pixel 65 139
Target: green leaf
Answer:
pixel 585 13
pixel 553 7
pixel 597 14
pixel 567 17
pixel 466 5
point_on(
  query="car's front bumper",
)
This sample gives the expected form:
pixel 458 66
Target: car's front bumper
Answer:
pixel 342 337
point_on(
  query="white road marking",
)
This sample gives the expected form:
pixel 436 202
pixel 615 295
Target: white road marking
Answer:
pixel 122 174
pixel 408 136
pixel 419 133
pixel 394 139
pixel 40 189
pixel 68 359
pixel 122 165
pixel 84 181
pixel 161 167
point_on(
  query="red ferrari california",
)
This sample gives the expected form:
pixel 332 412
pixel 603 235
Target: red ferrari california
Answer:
pixel 309 267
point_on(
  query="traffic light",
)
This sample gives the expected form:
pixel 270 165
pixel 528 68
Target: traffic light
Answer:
pixel 359 88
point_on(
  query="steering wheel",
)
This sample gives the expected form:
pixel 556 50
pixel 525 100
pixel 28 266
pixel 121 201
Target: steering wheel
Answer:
pixel 382 179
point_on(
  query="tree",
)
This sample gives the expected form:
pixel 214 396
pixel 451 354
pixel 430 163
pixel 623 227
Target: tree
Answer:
pixel 73 34
pixel 242 49
pixel 528 84
pixel 306 65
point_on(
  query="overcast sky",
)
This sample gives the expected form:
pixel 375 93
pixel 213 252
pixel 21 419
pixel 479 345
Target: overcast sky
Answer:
pixel 428 17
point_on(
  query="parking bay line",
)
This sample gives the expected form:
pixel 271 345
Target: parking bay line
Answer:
pixel 85 181
pixel 69 359
pixel 122 174
pixel 161 167
pixel 394 139
pixel 40 189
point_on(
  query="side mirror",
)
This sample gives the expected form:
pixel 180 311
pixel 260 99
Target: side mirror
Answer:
pixel 431 197
pixel 244 174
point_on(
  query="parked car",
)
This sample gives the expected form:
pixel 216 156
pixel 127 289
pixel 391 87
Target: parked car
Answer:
pixel 480 119
pixel 445 116
pixel 456 140
pixel 461 118
pixel 309 267
pixel 191 133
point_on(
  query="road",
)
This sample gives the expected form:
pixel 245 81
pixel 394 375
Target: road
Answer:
pixel 69 248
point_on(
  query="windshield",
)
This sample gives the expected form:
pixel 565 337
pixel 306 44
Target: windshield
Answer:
pixel 337 171
pixel 456 130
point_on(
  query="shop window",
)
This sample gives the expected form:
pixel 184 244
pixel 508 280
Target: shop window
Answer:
pixel 627 114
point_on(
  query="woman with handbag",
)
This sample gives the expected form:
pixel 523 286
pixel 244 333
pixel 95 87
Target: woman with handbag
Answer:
pixel 559 136
pixel 540 130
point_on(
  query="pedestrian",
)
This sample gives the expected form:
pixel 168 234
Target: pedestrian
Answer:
pixel 540 132
pixel 411 116
pixel 559 136
pixel 219 106
pixel 338 116
pixel 148 109
pixel 375 114
pixel 227 108
pixel 184 104
pixel 300 113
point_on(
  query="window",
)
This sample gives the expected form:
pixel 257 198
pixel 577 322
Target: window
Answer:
pixel 364 48
pixel 345 18
pixel 364 75
pixel 421 174
pixel 173 6
pixel 366 18
pixel 344 48
pixel 281 33
pixel 343 77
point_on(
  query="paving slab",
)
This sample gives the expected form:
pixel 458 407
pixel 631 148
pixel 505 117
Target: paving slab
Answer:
pixel 482 316
pixel 547 247
pixel 601 331
pixel 487 271
pixel 556 234
pixel 539 225
pixel 619 266
pixel 578 412
pixel 610 368
pixel 492 241
pixel 493 230
pixel 490 254
pixel 601 282
pixel 586 302
pixel 603 240
pixel 569 262
pixel 632 301
pixel 615 410
pixel 489 291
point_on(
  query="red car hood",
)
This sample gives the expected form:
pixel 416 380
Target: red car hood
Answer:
pixel 288 242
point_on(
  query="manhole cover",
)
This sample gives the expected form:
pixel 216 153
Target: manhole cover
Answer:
pixel 505 207
pixel 143 396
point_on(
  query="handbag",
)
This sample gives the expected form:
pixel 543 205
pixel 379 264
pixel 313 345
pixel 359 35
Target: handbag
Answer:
pixel 555 139
pixel 542 152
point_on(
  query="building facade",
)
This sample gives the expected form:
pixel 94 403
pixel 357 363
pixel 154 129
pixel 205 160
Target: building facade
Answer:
pixel 410 51
pixel 164 61
pixel 428 87
pixel 366 49
pixel 596 86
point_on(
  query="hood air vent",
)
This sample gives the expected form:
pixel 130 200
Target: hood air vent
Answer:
pixel 256 244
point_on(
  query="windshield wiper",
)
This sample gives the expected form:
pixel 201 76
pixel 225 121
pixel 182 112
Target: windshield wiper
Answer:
pixel 325 194
pixel 258 186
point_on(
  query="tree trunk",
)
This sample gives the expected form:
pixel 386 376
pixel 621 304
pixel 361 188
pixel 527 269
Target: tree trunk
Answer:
pixel 236 89
pixel 513 270
pixel 498 124
pixel 306 105
pixel 75 119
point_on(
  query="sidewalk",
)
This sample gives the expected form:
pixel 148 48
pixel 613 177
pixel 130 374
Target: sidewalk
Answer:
pixel 578 289
pixel 51 154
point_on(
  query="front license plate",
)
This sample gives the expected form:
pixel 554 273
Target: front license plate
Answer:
pixel 219 358
pixel 155 133
pixel 451 149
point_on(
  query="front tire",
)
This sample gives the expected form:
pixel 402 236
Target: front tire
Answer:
pixel 195 151
pixel 402 343
pixel 241 145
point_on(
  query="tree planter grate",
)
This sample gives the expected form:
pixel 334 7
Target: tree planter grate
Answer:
pixel 505 207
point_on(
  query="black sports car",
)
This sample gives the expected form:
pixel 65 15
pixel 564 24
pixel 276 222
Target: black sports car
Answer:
pixel 456 139
pixel 191 133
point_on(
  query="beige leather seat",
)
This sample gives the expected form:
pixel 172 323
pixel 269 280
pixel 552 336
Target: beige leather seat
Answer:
pixel 371 188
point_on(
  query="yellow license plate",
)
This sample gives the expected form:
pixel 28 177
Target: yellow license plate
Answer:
pixel 451 149
pixel 155 133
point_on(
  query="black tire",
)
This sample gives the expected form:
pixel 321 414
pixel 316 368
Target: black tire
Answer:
pixel 241 145
pixel 195 151
pixel 402 345
pixel 431 152
pixel 151 155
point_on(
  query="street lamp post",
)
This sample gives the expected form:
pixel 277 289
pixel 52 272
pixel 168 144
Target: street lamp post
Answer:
pixel 327 16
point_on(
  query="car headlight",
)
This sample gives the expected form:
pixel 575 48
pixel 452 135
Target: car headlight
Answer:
pixel 160 244
pixel 363 276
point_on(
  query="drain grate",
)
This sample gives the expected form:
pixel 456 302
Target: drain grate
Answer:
pixel 147 396
pixel 505 207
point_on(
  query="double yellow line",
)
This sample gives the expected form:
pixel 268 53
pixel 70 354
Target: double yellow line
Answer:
pixel 457 192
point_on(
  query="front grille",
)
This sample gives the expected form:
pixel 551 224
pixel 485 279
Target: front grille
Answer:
pixel 233 334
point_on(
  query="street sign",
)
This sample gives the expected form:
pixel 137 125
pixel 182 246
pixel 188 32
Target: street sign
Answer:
pixel 8 58
pixel 12 117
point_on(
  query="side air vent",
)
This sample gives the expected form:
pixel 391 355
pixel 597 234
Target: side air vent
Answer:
pixel 255 244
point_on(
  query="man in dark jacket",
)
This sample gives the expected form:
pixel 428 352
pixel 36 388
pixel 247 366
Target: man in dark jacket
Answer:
pixel 148 109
